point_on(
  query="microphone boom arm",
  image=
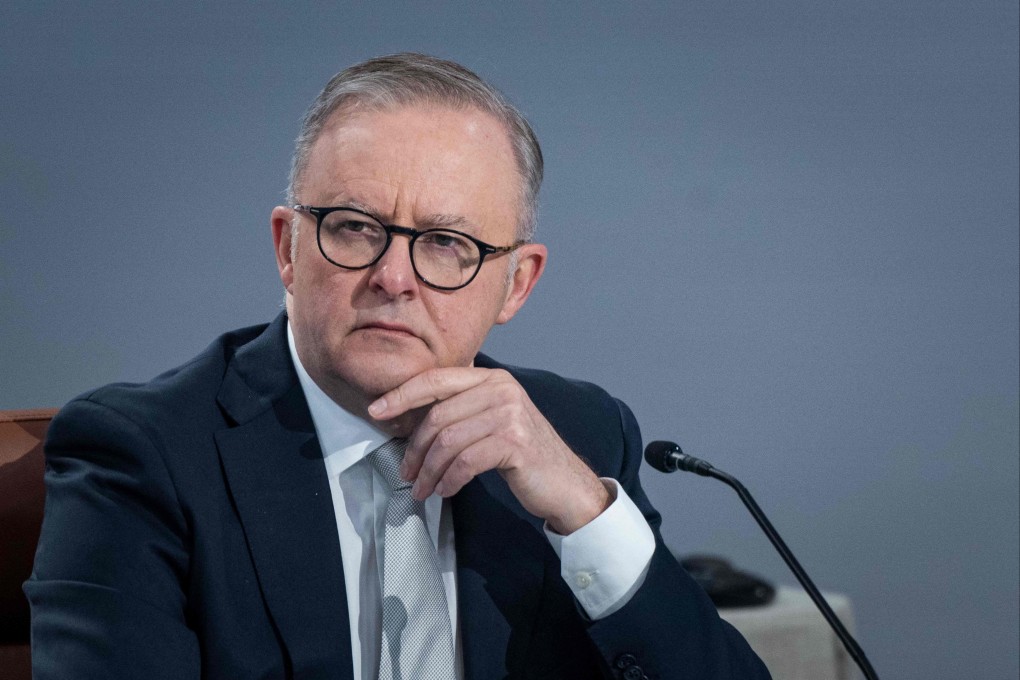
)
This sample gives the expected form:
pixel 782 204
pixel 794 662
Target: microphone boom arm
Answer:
pixel 667 457
pixel 844 635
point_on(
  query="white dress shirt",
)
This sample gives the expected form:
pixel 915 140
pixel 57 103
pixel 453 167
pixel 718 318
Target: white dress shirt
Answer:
pixel 603 562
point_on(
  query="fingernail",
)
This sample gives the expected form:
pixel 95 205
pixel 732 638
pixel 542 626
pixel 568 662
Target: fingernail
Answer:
pixel 416 490
pixel 377 406
pixel 404 471
pixel 441 489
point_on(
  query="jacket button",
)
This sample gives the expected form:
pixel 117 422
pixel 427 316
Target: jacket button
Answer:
pixel 625 661
pixel 633 673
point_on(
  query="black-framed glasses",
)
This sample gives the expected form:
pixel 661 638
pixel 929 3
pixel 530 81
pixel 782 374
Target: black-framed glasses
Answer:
pixel 442 258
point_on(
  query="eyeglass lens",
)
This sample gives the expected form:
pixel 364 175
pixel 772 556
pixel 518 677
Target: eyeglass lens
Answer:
pixel 442 258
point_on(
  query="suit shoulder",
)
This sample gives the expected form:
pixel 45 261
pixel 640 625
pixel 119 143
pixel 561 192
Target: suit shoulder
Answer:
pixel 176 394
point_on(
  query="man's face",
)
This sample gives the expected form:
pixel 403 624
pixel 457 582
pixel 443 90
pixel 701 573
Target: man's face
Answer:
pixel 362 333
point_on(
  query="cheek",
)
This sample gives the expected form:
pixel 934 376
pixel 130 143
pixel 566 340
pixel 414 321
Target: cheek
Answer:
pixel 323 284
pixel 443 317
pixel 462 322
pixel 322 304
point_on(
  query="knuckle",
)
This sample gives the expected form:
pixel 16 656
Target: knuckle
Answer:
pixel 517 434
pixel 511 387
pixel 437 380
pixel 506 393
pixel 447 437
pixel 400 391
pixel 396 396
pixel 510 415
pixel 434 418
pixel 462 468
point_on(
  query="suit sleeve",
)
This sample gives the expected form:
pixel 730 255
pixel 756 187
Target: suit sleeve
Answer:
pixel 669 628
pixel 106 589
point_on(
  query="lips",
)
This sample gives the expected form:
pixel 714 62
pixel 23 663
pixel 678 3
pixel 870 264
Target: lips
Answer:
pixel 387 326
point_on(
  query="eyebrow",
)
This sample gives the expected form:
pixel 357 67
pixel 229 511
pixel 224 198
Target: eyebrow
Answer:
pixel 351 203
pixel 444 220
pixel 431 221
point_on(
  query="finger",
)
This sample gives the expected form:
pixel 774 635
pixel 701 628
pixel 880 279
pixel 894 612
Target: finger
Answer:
pixel 442 415
pixel 449 445
pixel 481 456
pixel 425 388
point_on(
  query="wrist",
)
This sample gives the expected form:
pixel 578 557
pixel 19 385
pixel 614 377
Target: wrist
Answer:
pixel 581 509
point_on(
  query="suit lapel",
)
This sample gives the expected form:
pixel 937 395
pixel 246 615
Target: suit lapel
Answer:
pixel 274 468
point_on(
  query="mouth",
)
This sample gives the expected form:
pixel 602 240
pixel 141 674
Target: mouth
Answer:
pixel 389 328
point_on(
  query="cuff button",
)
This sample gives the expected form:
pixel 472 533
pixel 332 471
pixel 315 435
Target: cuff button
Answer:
pixel 634 673
pixel 625 661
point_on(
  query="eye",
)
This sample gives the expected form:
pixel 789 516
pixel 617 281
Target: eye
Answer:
pixel 447 248
pixel 346 224
pixel 442 240
pixel 354 226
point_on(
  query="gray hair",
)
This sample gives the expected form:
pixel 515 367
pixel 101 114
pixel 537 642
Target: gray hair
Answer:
pixel 409 78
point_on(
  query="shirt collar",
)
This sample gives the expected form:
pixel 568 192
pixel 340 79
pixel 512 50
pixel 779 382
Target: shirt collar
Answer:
pixel 345 438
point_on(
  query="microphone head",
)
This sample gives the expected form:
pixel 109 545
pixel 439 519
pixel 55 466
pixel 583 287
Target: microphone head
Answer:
pixel 661 455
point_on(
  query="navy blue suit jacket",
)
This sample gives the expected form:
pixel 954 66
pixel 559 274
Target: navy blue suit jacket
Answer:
pixel 189 533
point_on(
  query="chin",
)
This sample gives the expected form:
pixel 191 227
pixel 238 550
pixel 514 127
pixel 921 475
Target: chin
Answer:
pixel 372 376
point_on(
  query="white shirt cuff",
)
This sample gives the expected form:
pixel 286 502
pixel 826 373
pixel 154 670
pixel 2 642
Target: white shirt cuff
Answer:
pixel 605 561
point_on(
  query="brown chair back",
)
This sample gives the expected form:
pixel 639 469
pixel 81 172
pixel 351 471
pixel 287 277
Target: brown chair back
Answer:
pixel 21 509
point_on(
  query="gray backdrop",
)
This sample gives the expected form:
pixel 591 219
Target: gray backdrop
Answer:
pixel 785 233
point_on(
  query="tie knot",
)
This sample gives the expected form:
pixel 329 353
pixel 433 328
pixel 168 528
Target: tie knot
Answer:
pixel 386 460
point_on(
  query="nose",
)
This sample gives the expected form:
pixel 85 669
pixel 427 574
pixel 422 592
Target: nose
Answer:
pixel 394 273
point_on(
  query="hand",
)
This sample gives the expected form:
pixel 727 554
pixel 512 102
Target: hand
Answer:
pixel 482 419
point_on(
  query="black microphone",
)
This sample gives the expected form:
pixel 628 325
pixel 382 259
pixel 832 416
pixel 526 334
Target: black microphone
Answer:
pixel 668 457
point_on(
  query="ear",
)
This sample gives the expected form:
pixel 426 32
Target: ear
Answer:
pixel 531 260
pixel 280 221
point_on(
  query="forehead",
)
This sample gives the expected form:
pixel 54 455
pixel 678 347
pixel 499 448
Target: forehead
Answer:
pixel 417 160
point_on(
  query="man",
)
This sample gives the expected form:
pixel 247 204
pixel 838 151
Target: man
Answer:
pixel 249 515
